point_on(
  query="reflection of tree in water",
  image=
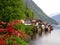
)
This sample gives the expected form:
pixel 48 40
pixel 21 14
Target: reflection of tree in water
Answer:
pixel 38 29
pixel 36 32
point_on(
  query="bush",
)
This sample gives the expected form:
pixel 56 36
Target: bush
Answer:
pixel 26 28
pixel 12 10
pixel 10 36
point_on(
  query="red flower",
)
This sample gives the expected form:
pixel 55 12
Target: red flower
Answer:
pixel 10 28
pixel 17 21
pixel 16 33
pixel 4 35
pixel 20 35
pixel 2 30
pixel 2 42
pixel 21 32
pixel 26 36
pixel 2 22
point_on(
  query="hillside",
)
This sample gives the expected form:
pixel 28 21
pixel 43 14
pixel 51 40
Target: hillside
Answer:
pixel 57 18
pixel 39 14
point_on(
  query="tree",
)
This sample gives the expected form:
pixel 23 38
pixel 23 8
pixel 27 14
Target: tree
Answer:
pixel 29 13
pixel 11 10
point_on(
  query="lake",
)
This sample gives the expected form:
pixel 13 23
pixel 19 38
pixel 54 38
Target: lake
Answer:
pixel 52 38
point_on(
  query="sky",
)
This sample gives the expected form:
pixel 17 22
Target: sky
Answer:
pixel 50 7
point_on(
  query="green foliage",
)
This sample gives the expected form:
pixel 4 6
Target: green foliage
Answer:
pixel 17 41
pixel 19 27
pixel 14 9
pixel 26 28
pixel 29 13
pixel 11 10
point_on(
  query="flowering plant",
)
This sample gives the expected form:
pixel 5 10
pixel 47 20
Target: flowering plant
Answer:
pixel 10 36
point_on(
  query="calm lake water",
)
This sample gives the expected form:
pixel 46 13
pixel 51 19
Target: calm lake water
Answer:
pixel 52 38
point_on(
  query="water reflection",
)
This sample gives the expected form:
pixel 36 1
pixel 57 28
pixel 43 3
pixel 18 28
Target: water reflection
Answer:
pixel 35 36
pixel 57 27
pixel 52 38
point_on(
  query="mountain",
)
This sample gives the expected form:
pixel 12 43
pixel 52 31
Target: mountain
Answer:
pixel 57 18
pixel 39 14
